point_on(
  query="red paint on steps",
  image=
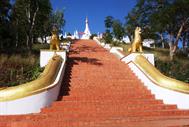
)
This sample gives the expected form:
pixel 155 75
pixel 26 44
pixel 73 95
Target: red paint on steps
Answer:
pixel 100 91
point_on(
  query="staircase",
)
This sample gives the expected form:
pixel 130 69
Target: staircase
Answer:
pixel 100 91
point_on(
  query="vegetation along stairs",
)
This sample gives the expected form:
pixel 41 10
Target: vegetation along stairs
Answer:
pixel 100 91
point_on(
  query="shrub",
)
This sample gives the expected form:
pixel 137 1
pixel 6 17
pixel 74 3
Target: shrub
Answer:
pixel 93 35
pixel 107 37
pixel 174 69
pixel 18 69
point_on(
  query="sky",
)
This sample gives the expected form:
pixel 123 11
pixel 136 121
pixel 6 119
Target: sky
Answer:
pixel 96 10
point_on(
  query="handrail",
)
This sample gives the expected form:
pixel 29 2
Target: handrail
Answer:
pixel 158 78
pixel 42 83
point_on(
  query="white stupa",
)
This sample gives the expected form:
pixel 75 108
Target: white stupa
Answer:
pixel 76 34
pixel 87 32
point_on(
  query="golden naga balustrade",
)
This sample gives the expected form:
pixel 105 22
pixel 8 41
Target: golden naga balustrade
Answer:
pixel 42 83
pixel 158 78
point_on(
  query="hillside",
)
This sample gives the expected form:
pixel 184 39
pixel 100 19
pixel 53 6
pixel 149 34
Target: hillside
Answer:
pixel 178 68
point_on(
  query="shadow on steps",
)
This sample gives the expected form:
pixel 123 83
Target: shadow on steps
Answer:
pixel 65 86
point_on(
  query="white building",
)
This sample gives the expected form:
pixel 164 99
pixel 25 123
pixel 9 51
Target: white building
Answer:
pixel 148 43
pixel 87 32
pixel 76 35
pixel 126 39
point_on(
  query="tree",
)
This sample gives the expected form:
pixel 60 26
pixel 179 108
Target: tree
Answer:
pixel 5 26
pixel 131 22
pixel 43 23
pixel 118 29
pixel 108 22
pixel 175 22
pixel 5 7
pixel 113 28
pixel 181 17
pixel 57 20
pixel 107 36
pixel 27 15
pixel 160 17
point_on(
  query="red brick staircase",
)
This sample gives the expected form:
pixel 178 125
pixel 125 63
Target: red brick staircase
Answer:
pixel 100 91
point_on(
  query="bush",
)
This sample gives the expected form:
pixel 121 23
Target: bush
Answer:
pixel 174 69
pixel 36 47
pixel 93 35
pixel 18 69
pixel 107 37
pixel 115 43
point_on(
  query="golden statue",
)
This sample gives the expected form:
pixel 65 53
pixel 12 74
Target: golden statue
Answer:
pixel 55 42
pixel 137 43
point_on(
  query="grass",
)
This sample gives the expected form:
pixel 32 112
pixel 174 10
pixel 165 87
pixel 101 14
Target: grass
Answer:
pixel 21 67
pixel 36 47
pixel 18 69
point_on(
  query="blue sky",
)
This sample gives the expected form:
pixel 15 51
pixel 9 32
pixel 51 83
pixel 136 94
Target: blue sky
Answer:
pixel 96 11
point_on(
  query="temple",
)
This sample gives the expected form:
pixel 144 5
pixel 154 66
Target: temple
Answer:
pixel 89 83
pixel 87 33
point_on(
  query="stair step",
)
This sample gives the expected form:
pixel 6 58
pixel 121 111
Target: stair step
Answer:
pixel 106 102
pixel 113 114
pixel 100 91
pixel 109 108
pixel 101 123
pixel 57 119
pixel 107 97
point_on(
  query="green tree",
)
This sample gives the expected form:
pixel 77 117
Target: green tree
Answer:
pixel 158 17
pixel 57 20
pixel 179 10
pixel 108 22
pixel 5 26
pixel 107 36
pixel 5 7
pixel 131 22
pixel 43 23
pixel 113 28
pixel 118 29
pixel 28 15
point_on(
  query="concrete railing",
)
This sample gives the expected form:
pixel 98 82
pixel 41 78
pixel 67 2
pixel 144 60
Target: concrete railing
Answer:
pixel 117 51
pixel 32 96
pixel 171 91
pixel 97 40
pixel 106 46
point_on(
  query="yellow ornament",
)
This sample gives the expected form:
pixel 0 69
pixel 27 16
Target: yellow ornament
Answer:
pixel 137 43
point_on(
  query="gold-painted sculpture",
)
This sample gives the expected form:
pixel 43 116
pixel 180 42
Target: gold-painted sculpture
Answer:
pixel 42 83
pixel 158 78
pixel 137 43
pixel 55 42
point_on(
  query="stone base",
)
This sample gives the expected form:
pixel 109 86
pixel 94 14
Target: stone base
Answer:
pixel 114 49
pixel 107 46
pixel 131 57
pixel 117 51
pixel 46 55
